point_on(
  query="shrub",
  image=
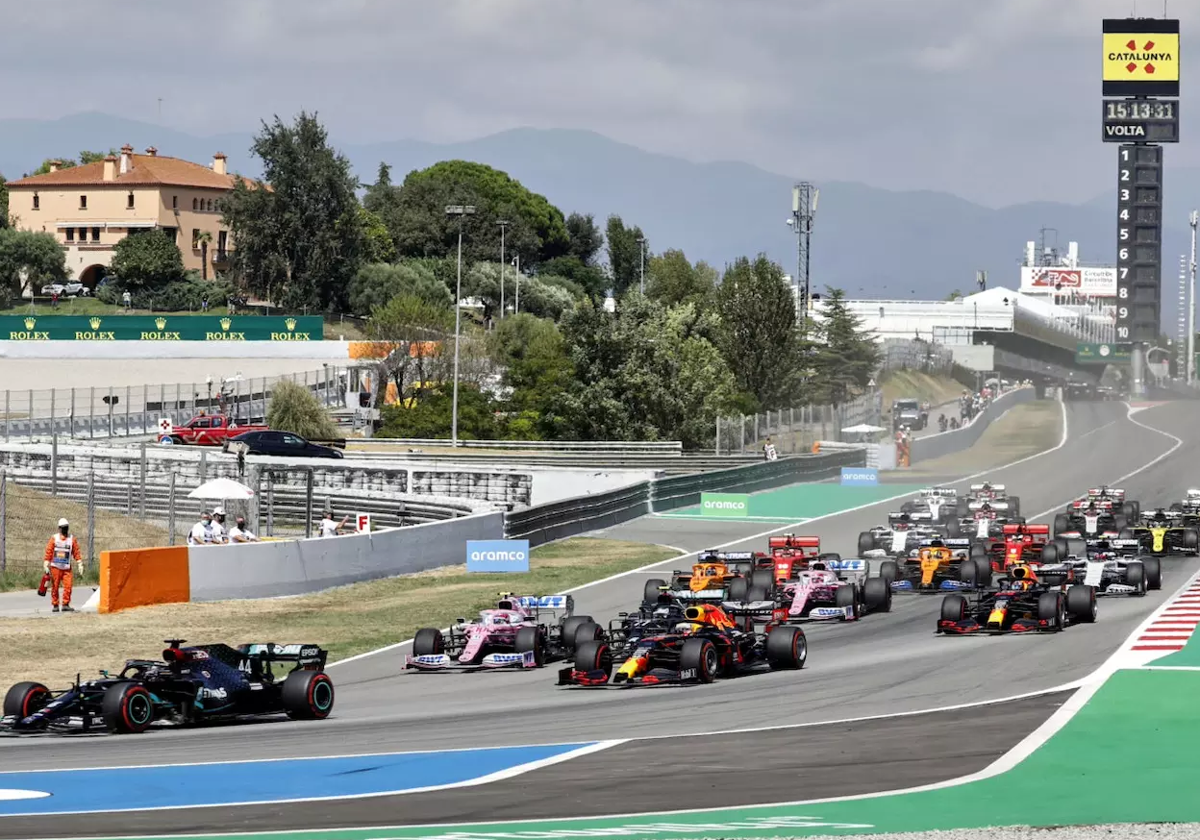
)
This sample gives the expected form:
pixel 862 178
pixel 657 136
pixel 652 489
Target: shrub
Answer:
pixel 294 408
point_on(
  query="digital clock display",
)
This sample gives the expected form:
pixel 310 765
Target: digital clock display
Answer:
pixel 1141 121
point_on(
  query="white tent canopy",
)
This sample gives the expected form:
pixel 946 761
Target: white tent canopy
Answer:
pixel 221 489
pixel 862 429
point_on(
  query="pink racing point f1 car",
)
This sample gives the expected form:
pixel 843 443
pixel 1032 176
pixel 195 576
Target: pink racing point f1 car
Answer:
pixel 521 632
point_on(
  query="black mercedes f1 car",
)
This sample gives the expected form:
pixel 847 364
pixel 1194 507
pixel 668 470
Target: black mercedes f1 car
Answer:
pixel 190 685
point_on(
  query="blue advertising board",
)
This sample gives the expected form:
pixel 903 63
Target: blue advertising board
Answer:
pixel 498 555
pixel 860 477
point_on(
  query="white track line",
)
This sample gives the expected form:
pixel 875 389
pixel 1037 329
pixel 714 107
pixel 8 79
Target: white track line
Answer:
pixel 683 554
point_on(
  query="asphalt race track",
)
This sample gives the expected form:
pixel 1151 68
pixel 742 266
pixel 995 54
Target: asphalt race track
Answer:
pixel 884 664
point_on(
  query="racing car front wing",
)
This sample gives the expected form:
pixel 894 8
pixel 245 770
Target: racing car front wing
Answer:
pixel 491 662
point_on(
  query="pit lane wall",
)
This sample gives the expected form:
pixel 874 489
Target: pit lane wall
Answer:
pixel 958 440
pixel 334 351
pixel 287 567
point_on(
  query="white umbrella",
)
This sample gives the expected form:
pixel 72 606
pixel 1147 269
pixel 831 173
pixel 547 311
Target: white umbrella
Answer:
pixel 221 489
pixel 862 429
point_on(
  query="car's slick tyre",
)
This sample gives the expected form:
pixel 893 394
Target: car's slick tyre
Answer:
pixel 1051 606
pixel 1077 546
pixel 1135 576
pixel 877 595
pixel 307 695
pixel 968 572
pixel 531 639
pixel 127 707
pixel 1081 603
pixel 954 529
pixel 1063 548
pixel 1014 505
pixel 865 542
pixel 962 509
pixel 738 587
pixel 569 626
pixel 889 570
pixel 764 578
pixel 429 641
pixel 1050 553
pixel 1120 522
pixel 954 608
pixel 1126 533
pixel 1131 510
pixel 1191 540
pixel 587 632
pixel 787 648
pixel 829 557
pixel 757 593
pixel 843 596
pixel 25 698
pixel 699 655
pixel 651 590
pixel 1062 522
pixel 983 572
pixel 594 656
pixel 908 507
pixel 1153 570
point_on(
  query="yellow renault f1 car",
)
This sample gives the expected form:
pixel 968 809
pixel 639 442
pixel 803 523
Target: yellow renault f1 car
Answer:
pixel 1162 533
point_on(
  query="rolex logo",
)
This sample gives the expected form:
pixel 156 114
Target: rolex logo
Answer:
pixel 161 323
pixel 95 322
pixel 226 323
pixel 290 323
pixel 30 322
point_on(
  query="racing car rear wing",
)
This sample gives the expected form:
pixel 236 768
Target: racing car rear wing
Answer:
pixel 793 541
pixel 1131 545
pixel 996 487
pixel 939 492
pixel 998 504
pixel 1035 530
pixel 914 516
pixel 305 655
pixel 711 555
pixel 948 542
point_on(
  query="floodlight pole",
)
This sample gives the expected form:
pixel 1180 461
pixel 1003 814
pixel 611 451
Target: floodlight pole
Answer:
pixel 503 223
pixel 461 211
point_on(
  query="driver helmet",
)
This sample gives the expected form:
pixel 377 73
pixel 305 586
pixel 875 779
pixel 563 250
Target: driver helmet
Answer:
pixel 1022 585
pixel 710 572
pixel 687 628
pixel 1091 508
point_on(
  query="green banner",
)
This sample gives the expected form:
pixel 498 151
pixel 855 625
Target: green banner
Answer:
pixel 725 505
pixel 161 328
pixel 1102 354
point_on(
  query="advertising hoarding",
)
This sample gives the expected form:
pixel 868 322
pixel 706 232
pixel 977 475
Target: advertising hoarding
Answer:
pixel 1090 282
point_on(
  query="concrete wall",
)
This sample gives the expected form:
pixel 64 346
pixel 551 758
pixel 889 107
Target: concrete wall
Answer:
pixel 270 569
pixel 957 440
pixel 980 357
pixel 317 350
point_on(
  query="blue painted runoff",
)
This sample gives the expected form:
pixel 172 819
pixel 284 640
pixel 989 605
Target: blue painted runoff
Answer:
pixel 136 788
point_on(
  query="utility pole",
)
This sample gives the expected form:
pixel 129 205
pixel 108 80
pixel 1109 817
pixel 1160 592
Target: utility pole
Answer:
pixel 462 211
pixel 1193 220
pixel 642 263
pixel 503 223
pixel 804 210
pixel 517 306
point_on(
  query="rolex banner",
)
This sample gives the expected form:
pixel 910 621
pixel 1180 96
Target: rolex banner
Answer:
pixel 160 328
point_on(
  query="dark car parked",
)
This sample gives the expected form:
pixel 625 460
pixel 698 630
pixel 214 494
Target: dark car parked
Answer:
pixel 282 444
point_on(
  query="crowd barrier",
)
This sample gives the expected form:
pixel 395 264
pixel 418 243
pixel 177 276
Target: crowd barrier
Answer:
pixel 957 440
pixel 288 567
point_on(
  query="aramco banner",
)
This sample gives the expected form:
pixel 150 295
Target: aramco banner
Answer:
pixel 161 328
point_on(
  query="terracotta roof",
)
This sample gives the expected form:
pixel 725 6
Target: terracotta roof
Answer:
pixel 144 170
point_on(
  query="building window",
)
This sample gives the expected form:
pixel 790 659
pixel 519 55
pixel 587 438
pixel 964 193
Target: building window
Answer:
pixel 95 234
pixel 83 202
pixel 172 234
pixel 195 239
pixel 174 202
pixel 222 241
pixel 195 204
pixel 210 205
pixel 37 202
pixel 129 201
pixel 70 234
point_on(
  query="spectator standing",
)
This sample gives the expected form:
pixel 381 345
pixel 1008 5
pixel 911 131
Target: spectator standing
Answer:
pixel 127 301
pixel 329 528
pixel 204 304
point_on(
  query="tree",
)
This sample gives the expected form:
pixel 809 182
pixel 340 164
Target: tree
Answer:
pixel 204 239
pixel 586 238
pixel 383 200
pixel 590 278
pixel 624 255
pixel 845 357
pixel 536 230
pixel 69 163
pixel 758 333
pixel 431 415
pixel 416 327
pixel 378 245
pixel 146 261
pixel 30 260
pixel 300 241
pixel 671 279
pixel 4 220
pixel 296 409
pixel 376 284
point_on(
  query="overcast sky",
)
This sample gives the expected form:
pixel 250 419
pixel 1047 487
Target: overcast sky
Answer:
pixel 995 100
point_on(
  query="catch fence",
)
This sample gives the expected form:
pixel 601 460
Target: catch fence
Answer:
pixel 795 430
pixel 106 411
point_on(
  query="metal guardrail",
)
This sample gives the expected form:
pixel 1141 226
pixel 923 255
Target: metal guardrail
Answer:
pixel 569 517
pixel 576 460
pixel 658 447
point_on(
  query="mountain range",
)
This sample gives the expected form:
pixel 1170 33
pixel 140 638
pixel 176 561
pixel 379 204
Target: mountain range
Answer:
pixel 870 242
